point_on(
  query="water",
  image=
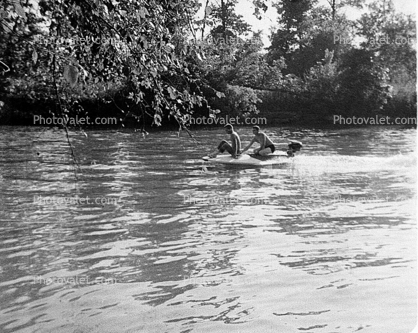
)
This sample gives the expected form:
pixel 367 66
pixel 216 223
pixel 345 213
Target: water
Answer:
pixel 147 238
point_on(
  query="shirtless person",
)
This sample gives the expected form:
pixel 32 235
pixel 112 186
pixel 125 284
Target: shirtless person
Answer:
pixel 233 149
pixel 266 145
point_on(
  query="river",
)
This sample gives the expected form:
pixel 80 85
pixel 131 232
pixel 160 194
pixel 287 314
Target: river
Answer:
pixel 145 237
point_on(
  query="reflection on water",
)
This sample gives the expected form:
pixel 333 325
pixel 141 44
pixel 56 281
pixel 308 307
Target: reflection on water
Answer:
pixel 147 238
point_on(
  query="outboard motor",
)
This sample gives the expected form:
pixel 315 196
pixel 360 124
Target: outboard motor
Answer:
pixel 293 146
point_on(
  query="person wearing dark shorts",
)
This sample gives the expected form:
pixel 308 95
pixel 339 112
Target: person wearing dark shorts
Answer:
pixel 271 147
pixel 266 145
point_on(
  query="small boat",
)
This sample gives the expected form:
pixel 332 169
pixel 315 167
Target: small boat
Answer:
pixel 278 157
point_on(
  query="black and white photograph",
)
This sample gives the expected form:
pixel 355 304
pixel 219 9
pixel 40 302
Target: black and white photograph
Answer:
pixel 208 166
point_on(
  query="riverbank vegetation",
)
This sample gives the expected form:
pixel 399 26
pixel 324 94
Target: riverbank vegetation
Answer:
pixel 154 62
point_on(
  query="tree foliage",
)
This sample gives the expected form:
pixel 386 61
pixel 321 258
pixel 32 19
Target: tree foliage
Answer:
pixel 84 48
pixel 391 35
pixel 152 60
pixel 319 45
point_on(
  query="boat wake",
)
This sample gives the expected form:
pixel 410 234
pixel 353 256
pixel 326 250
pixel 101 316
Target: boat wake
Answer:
pixel 352 164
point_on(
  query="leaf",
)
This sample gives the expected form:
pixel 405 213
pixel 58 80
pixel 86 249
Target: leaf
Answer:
pixel 154 72
pixel 157 119
pixel 34 56
pixel 169 47
pixel 105 10
pixel 208 10
pixel 198 56
pixel 144 43
pixel 220 94
pixel 171 92
pixel 143 12
pixel 71 75
pixel 19 10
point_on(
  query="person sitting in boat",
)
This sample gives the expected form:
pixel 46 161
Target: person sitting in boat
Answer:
pixel 234 148
pixel 266 145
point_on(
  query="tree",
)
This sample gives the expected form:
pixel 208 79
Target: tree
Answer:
pixel 322 86
pixel 290 35
pixel 390 35
pixel 226 53
pixel 88 46
pixel 306 30
pixel 363 83
pixel 225 22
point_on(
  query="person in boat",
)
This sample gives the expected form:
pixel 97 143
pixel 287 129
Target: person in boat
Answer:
pixel 266 145
pixel 234 148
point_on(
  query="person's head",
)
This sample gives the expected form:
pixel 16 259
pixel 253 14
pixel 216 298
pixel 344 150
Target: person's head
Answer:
pixel 229 128
pixel 256 129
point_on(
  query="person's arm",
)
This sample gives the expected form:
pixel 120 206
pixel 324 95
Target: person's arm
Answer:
pixel 263 142
pixel 249 145
pixel 234 145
